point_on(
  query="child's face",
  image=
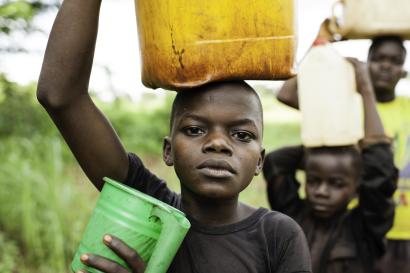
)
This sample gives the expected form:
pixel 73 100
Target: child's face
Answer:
pixel 330 183
pixel 386 65
pixel 215 144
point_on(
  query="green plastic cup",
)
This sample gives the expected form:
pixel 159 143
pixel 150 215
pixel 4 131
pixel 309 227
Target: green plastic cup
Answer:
pixel 151 227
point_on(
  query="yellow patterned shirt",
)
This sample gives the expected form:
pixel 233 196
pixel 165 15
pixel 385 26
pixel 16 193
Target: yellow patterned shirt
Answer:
pixel 396 120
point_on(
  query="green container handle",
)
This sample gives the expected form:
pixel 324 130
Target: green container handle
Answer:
pixel 167 246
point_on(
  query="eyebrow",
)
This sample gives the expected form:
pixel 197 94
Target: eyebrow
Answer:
pixel 243 121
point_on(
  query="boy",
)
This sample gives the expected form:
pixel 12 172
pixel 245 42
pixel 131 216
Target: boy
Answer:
pixel 385 61
pixel 214 145
pixel 386 58
pixel 340 240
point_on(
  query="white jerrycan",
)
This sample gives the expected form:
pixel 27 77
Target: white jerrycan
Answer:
pixel 331 108
pixel 364 19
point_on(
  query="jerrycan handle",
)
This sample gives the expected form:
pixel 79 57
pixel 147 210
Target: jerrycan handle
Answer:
pixel 334 27
pixel 174 228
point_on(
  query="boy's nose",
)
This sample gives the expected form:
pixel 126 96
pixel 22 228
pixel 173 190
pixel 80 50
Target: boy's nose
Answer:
pixel 217 142
pixel 386 64
pixel 322 190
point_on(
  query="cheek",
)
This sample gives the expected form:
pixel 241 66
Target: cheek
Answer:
pixel 309 192
pixel 373 68
pixel 183 156
pixel 343 197
pixel 249 159
pixel 397 73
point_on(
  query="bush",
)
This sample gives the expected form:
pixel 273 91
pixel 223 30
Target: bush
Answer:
pixel 45 208
pixel 20 114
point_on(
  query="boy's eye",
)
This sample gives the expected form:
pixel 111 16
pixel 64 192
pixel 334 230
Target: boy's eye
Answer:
pixel 193 131
pixel 243 136
pixel 313 181
pixel 337 182
pixel 397 61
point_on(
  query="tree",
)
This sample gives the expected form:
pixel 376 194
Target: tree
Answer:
pixel 17 16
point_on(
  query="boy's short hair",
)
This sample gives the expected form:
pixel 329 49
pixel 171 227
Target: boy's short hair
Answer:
pixel 182 95
pixel 351 150
pixel 377 41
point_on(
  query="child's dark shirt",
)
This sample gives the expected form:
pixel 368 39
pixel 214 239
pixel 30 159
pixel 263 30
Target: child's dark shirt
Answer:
pixel 354 238
pixel 265 242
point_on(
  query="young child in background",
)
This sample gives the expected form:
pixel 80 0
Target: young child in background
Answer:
pixel 385 63
pixel 215 147
pixel 340 240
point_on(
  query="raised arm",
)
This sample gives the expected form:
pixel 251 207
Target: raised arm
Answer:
pixel 373 126
pixel 63 91
pixel 279 171
pixel 379 176
pixel 288 93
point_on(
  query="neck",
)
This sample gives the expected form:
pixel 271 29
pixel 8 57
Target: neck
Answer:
pixel 385 96
pixel 211 211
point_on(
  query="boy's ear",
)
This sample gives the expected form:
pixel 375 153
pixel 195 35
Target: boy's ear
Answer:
pixel 259 165
pixel 166 152
pixel 403 74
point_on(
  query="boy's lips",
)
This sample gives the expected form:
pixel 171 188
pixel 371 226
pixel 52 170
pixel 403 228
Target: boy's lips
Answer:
pixel 216 168
pixel 321 207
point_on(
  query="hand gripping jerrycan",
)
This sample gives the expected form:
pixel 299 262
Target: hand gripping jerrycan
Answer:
pixel 363 19
pixel 331 108
pixel 184 43
pixel 154 229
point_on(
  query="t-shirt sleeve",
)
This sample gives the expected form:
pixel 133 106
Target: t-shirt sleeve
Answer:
pixel 279 171
pixel 290 249
pixel 140 178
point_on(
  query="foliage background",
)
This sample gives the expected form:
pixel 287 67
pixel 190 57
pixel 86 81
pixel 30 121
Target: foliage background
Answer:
pixel 45 199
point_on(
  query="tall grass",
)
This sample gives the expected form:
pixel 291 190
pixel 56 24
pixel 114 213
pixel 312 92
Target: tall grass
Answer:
pixel 42 206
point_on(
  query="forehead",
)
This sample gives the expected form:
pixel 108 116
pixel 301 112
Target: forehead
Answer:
pixel 388 47
pixel 225 103
pixel 327 163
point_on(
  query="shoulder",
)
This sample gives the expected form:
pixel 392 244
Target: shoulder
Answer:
pixel 287 243
pixel 142 179
pixel 278 225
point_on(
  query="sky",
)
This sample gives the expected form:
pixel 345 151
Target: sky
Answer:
pixel 117 50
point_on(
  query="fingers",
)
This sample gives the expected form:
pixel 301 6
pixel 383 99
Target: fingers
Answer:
pixel 129 255
pixel 363 80
pixel 102 264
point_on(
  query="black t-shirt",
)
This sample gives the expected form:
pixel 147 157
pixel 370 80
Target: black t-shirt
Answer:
pixel 354 238
pixel 266 241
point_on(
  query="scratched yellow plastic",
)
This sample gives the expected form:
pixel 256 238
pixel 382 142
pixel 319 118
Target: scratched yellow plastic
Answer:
pixel 185 43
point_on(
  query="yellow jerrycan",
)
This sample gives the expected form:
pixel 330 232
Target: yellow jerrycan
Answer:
pixel 331 108
pixel 184 44
pixel 363 19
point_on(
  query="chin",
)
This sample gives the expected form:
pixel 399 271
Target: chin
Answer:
pixel 217 194
pixel 383 87
pixel 323 214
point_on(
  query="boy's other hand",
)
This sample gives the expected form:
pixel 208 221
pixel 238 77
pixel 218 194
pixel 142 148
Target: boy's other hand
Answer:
pixel 129 255
pixel 363 81
pixel 325 32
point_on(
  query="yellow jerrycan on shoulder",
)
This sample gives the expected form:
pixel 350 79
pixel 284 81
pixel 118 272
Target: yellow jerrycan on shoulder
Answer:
pixel 363 19
pixel 184 44
pixel 331 108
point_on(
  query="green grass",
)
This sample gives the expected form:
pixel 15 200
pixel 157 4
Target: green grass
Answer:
pixel 43 207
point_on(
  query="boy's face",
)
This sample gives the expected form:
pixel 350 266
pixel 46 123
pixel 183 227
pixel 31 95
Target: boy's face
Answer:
pixel 386 65
pixel 215 143
pixel 330 183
